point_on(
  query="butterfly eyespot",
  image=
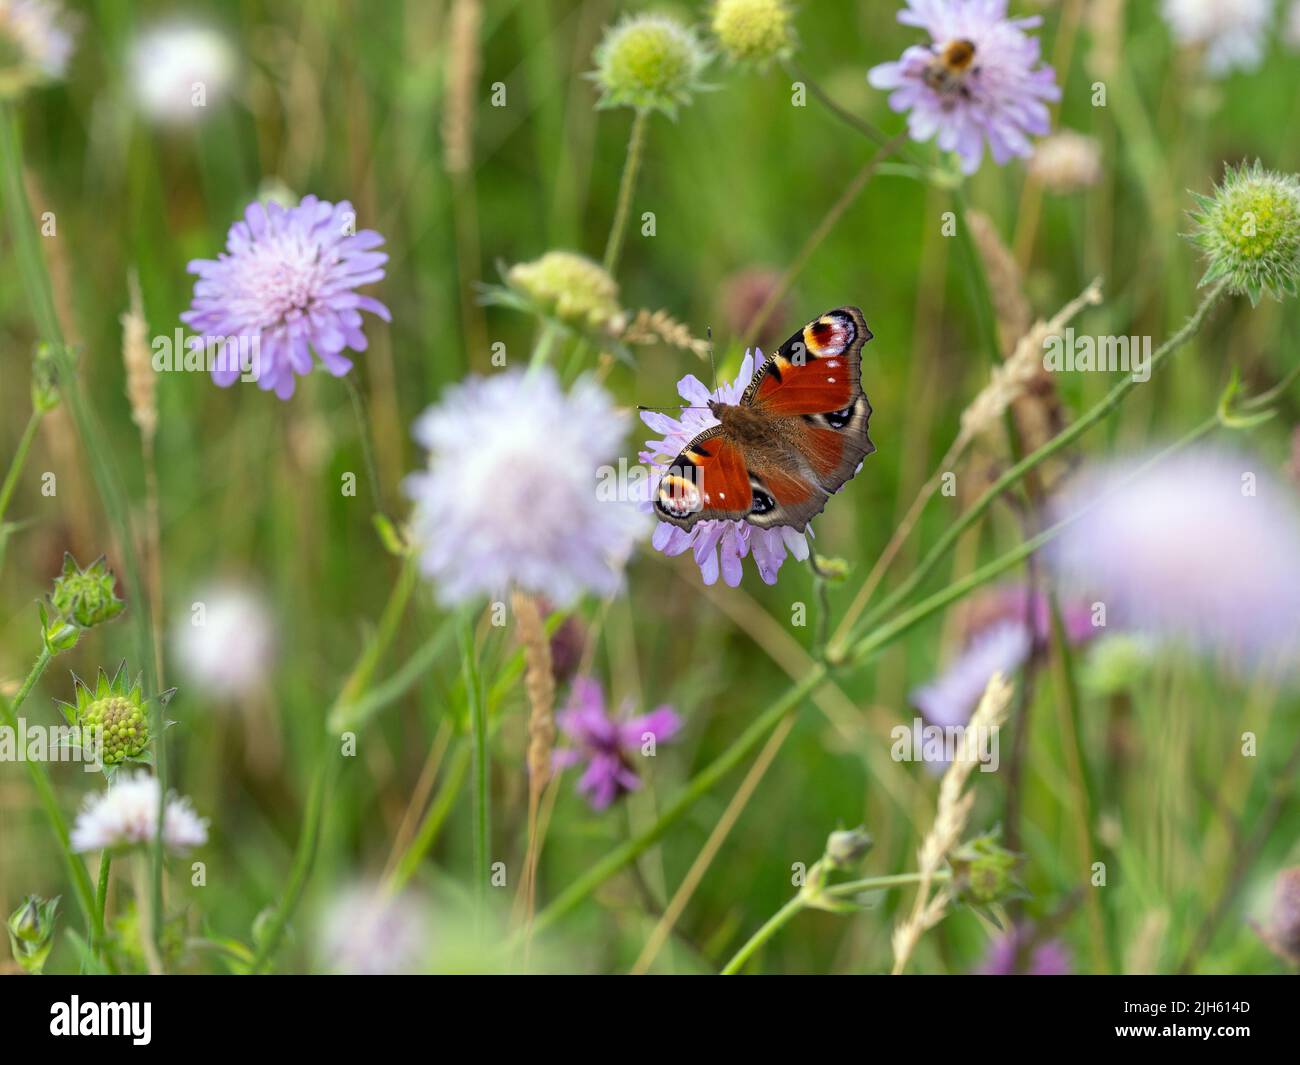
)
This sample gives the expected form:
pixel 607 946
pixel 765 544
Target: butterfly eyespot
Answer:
pixel 838 419
pixel 679 496
pixel 763 503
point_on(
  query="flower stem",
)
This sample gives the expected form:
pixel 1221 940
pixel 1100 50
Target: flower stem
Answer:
pixel 16 465
pixel 479 742
pixel 631 168
pixel 1020 469
pixel 31 266
pixel 39 773
pixel 796 905
pixel 328 765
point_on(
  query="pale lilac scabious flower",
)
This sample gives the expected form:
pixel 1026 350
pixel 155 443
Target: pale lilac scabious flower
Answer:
pixel 1017 954
pixel 1013 624
pixel 999 96
pixel 707 540
pixel 226 641
pixel 126 815
pixel 1203 549
pixel 1234 33
pixel 513 494
pixel 285 287
pixel 366 931
pixel 607 744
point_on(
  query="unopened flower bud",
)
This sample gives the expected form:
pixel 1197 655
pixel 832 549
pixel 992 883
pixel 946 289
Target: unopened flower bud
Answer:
pixel 86 597
pixel 847 847
pixel 31 931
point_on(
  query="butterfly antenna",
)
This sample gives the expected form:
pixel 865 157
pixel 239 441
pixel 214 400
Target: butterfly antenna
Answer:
pixel 708 332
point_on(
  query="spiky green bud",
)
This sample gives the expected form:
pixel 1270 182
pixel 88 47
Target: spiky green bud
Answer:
pixel 649 62
pixel 1249 231
pixel 983 872
pixel 753 31
pixel 45 380
pixel 87 596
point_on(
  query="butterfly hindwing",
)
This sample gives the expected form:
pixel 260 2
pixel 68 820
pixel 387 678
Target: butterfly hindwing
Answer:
pixel 709 479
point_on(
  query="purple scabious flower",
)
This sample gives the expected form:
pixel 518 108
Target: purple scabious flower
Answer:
pixel 1018 953
pixel 607 744
pixel 718 546
pixel 512 496
pixel 979 80
pixel 1009 624
pixel 1201 549
pixel 951 698
pixel 286 287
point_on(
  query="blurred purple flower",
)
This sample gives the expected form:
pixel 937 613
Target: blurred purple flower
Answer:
pixel 511 495
pixel 285 287
pixel 732 540
pixel 1203 549
pixel 607 745
pixel 1018 954
pixel 993 93
pixel 951 698
pixel 1009 624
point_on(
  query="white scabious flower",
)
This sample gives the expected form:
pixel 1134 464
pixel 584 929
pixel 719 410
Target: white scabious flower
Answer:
pixel 179 70
pixel 126 815
pixel 35 44
pixel 226 642
pixel 1234 33
pixel 512 495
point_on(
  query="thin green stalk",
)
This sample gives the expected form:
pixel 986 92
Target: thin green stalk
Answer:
pixel 770 927
pixel 101 904
pixel 19 460
pixel 631 168
pixel 40 777
pixel 364 430
pixel 799 903
pixel 434 819
pixel 1031 461
pixel 479 743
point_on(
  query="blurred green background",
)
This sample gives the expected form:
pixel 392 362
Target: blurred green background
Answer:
pixel 349 100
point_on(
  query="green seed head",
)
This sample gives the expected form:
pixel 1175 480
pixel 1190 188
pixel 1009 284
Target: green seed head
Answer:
pixel 1249 231
pixel 753 31
pixel 116 711
pixel 124 728
pixel 650 62
pixel 570 287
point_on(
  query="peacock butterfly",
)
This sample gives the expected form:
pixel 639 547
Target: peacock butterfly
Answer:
pixel 797 435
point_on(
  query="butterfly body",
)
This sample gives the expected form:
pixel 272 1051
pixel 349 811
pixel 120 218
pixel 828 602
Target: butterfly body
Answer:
pixel 797 434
